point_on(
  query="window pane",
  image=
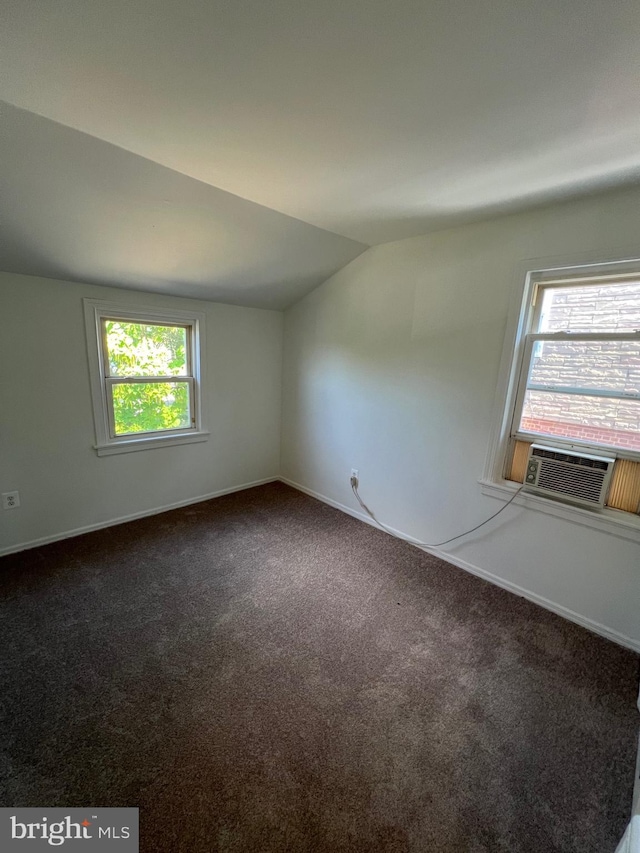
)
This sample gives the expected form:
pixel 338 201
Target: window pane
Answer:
pixel 609 366
pixel 137 349
pixel 150 406
pixel 594 420
pixel 603 307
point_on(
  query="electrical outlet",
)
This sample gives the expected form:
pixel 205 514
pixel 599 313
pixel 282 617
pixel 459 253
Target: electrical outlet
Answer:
pixel 354 474
pixel 10 500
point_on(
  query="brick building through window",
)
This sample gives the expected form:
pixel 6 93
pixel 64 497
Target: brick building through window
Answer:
pixel 583 381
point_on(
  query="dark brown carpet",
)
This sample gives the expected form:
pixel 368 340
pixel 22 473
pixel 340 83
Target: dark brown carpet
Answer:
pixel 263 673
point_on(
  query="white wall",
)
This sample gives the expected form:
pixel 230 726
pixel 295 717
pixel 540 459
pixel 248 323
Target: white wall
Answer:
pixel 391 367
pixel 46 418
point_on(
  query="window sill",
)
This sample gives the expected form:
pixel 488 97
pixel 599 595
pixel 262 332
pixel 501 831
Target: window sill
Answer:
pixel 624 525
pixel 150 442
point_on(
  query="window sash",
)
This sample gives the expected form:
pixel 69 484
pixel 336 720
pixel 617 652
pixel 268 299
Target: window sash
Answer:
pixel 105 346
pixel 524 384
pixel 533 339
pixel 110 380
pixel 151 380
pixel 573 281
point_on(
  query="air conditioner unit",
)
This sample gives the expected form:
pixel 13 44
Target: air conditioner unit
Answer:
pixel 568 475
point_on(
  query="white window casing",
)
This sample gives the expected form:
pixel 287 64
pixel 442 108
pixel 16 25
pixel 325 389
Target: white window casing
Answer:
pixel 107 441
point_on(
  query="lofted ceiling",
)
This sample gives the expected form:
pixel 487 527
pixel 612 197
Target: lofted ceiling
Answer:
pixel 76 208
pixel 243 150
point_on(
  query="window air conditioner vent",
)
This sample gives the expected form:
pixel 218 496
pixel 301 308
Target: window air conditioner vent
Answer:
pixel 576 477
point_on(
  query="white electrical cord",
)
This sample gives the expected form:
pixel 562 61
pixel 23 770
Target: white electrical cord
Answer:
pixel 354 488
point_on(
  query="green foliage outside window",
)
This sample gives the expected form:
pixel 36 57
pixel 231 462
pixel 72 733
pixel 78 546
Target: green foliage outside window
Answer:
pixel 136 349
pixel 143 350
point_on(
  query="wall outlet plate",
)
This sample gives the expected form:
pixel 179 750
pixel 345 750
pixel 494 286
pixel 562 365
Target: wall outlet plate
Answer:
pixel 354 473
pixel 10 500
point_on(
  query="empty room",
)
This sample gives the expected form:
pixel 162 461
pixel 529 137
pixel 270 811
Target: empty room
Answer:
pixel 320 426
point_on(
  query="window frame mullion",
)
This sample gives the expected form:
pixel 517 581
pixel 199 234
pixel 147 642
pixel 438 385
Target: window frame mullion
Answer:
pixel 585 336
pixel 153 380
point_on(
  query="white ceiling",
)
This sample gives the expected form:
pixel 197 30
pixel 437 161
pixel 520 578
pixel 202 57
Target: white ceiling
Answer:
pixel 76 208
pixel 372 119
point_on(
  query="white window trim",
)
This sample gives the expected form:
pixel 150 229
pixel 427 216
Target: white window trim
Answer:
pixel 493 483
pixel 106 445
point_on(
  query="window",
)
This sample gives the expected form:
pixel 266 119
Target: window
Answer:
pixel 581 368
pixel 146 376
pixel 575 375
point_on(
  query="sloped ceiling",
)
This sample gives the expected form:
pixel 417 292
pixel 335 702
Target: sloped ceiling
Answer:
pixel 365 121
pixel 76 208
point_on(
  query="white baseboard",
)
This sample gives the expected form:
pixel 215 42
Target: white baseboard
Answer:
pixel 585 622
pixel 78 531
